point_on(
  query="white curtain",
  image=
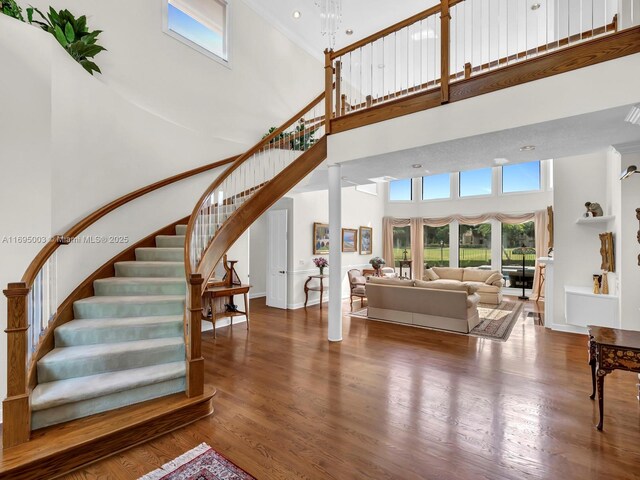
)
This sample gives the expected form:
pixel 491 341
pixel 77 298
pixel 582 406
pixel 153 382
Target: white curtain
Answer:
pixel 542 237
pixel 387 236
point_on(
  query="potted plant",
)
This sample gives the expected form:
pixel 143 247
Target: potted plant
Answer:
pixel 377 263
pixel 321 263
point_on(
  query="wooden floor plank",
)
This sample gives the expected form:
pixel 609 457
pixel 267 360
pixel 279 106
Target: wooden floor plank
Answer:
pixel 394 402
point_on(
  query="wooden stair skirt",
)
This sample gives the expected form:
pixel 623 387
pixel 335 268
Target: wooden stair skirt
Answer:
pixel 57 450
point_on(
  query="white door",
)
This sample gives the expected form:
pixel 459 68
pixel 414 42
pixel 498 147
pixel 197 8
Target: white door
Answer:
pixel 277 259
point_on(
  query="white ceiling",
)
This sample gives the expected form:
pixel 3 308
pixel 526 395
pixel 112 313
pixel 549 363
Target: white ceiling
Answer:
pixel 580 134
pixel 363 16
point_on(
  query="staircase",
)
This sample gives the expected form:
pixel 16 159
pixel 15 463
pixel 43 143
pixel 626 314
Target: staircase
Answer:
pixel 125 344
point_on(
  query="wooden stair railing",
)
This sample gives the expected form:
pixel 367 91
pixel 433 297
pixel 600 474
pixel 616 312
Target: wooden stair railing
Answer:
pixel 33 312
pixel 243 192
pixel 412 65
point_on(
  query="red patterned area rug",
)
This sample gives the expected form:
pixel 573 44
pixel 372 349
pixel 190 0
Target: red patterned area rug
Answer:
pixel 201 463
pixel 496 321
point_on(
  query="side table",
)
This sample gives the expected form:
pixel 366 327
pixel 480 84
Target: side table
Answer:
pixel 212 293
pixel 320 288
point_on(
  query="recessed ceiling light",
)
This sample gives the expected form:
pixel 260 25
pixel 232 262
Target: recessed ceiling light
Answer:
pixel 535 6
pixel 416 165
pixel 528 148
pixel 634 115
pixel 349 31
pixel 500 161
pixel 296 14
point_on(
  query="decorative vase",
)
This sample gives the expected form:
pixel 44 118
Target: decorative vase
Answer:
pixel 321 270
pixel 377 271
pixel 605 283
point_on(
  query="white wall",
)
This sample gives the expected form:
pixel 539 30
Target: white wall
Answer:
pixel 358 209
pixel 258 257
pixel 577 257
pixel 628 246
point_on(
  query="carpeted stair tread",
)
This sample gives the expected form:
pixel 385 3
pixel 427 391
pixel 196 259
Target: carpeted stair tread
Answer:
pixel 95 331
pixel 128 306
pixel 118 286
pixel 87 360
pixel 149 269
pixel 156 254
pixel 53 394
pixel 164 241
pixel 181 229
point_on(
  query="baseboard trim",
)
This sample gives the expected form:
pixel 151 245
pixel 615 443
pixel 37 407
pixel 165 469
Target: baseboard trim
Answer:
pixel 57 450
pixel 257 295
pixel 316 301
pixel 565 327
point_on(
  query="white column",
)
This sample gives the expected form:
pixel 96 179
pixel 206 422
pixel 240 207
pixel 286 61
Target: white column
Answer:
pixel 335 254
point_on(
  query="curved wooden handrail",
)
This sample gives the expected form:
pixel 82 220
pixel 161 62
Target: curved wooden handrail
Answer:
pixel 52 245
pixel 239 160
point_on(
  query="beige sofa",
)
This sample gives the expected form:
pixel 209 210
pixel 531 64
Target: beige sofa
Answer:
pixel 488 282
pixel 396 300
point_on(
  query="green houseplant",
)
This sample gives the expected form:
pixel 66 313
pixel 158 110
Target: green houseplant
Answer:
pixel 11 8
pixel 72 33
pixel 296 140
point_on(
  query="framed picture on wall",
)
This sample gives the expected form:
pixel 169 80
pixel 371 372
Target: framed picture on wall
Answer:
pixel 366 240
pixel 349 240
pixel 320 238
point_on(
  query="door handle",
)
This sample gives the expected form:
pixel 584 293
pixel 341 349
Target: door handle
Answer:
pixel 282 271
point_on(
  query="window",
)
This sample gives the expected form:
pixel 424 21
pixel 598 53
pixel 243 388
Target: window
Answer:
pixel 201 24
pixel 436 186
pixel 475 182
pixel 436 246
pixel 400 190
pixel 521 177
pixel 474 246
pixel 513 237
pixel 401 244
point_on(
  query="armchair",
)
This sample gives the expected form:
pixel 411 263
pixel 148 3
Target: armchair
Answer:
pixel 357 284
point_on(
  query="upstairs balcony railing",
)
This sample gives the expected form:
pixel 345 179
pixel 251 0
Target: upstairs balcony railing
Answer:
pixel 460 39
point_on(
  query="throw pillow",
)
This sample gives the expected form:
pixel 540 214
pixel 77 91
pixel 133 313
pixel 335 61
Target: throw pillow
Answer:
pixel 429 274
pixel 494 277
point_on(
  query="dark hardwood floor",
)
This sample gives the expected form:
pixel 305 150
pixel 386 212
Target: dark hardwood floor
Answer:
pixel 395 402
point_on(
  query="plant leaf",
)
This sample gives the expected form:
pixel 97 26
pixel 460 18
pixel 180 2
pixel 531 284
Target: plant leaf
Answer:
pixel 59 34
pixel 90 67
pixel 69 33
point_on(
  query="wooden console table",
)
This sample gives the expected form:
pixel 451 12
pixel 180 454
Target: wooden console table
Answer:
pixel 611 349
pixel 321 288
pixel 213 293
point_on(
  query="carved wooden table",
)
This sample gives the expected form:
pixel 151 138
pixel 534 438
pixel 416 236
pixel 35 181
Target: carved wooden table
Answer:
pixel 611 349
pixel 213 293
pixel 320 288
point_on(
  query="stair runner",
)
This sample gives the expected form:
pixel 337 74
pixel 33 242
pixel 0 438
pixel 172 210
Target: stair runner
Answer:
pixel 126 343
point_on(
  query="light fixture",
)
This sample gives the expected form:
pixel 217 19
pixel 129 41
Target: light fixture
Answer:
pixel 631 169
pixel 528 148
pixel 500 161
pixel 535 6
pixel 349 31
pixel 296 14
pixel 416 165
pixel 634 115
pixel 331 16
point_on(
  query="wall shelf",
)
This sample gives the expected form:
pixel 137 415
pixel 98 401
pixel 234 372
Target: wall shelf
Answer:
pixel 595 220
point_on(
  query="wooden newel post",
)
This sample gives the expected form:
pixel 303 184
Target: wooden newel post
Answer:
pixel 195 361
pixel 445 18
pixel 16 412
pixel 328 90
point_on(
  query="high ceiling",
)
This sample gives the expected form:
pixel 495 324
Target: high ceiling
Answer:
pixel 364 17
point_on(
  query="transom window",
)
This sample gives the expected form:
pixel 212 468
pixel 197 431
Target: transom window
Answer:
pixel 435 187
pixel 400 190
pixel 201 24
pixel 475 182
pixel 521 177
